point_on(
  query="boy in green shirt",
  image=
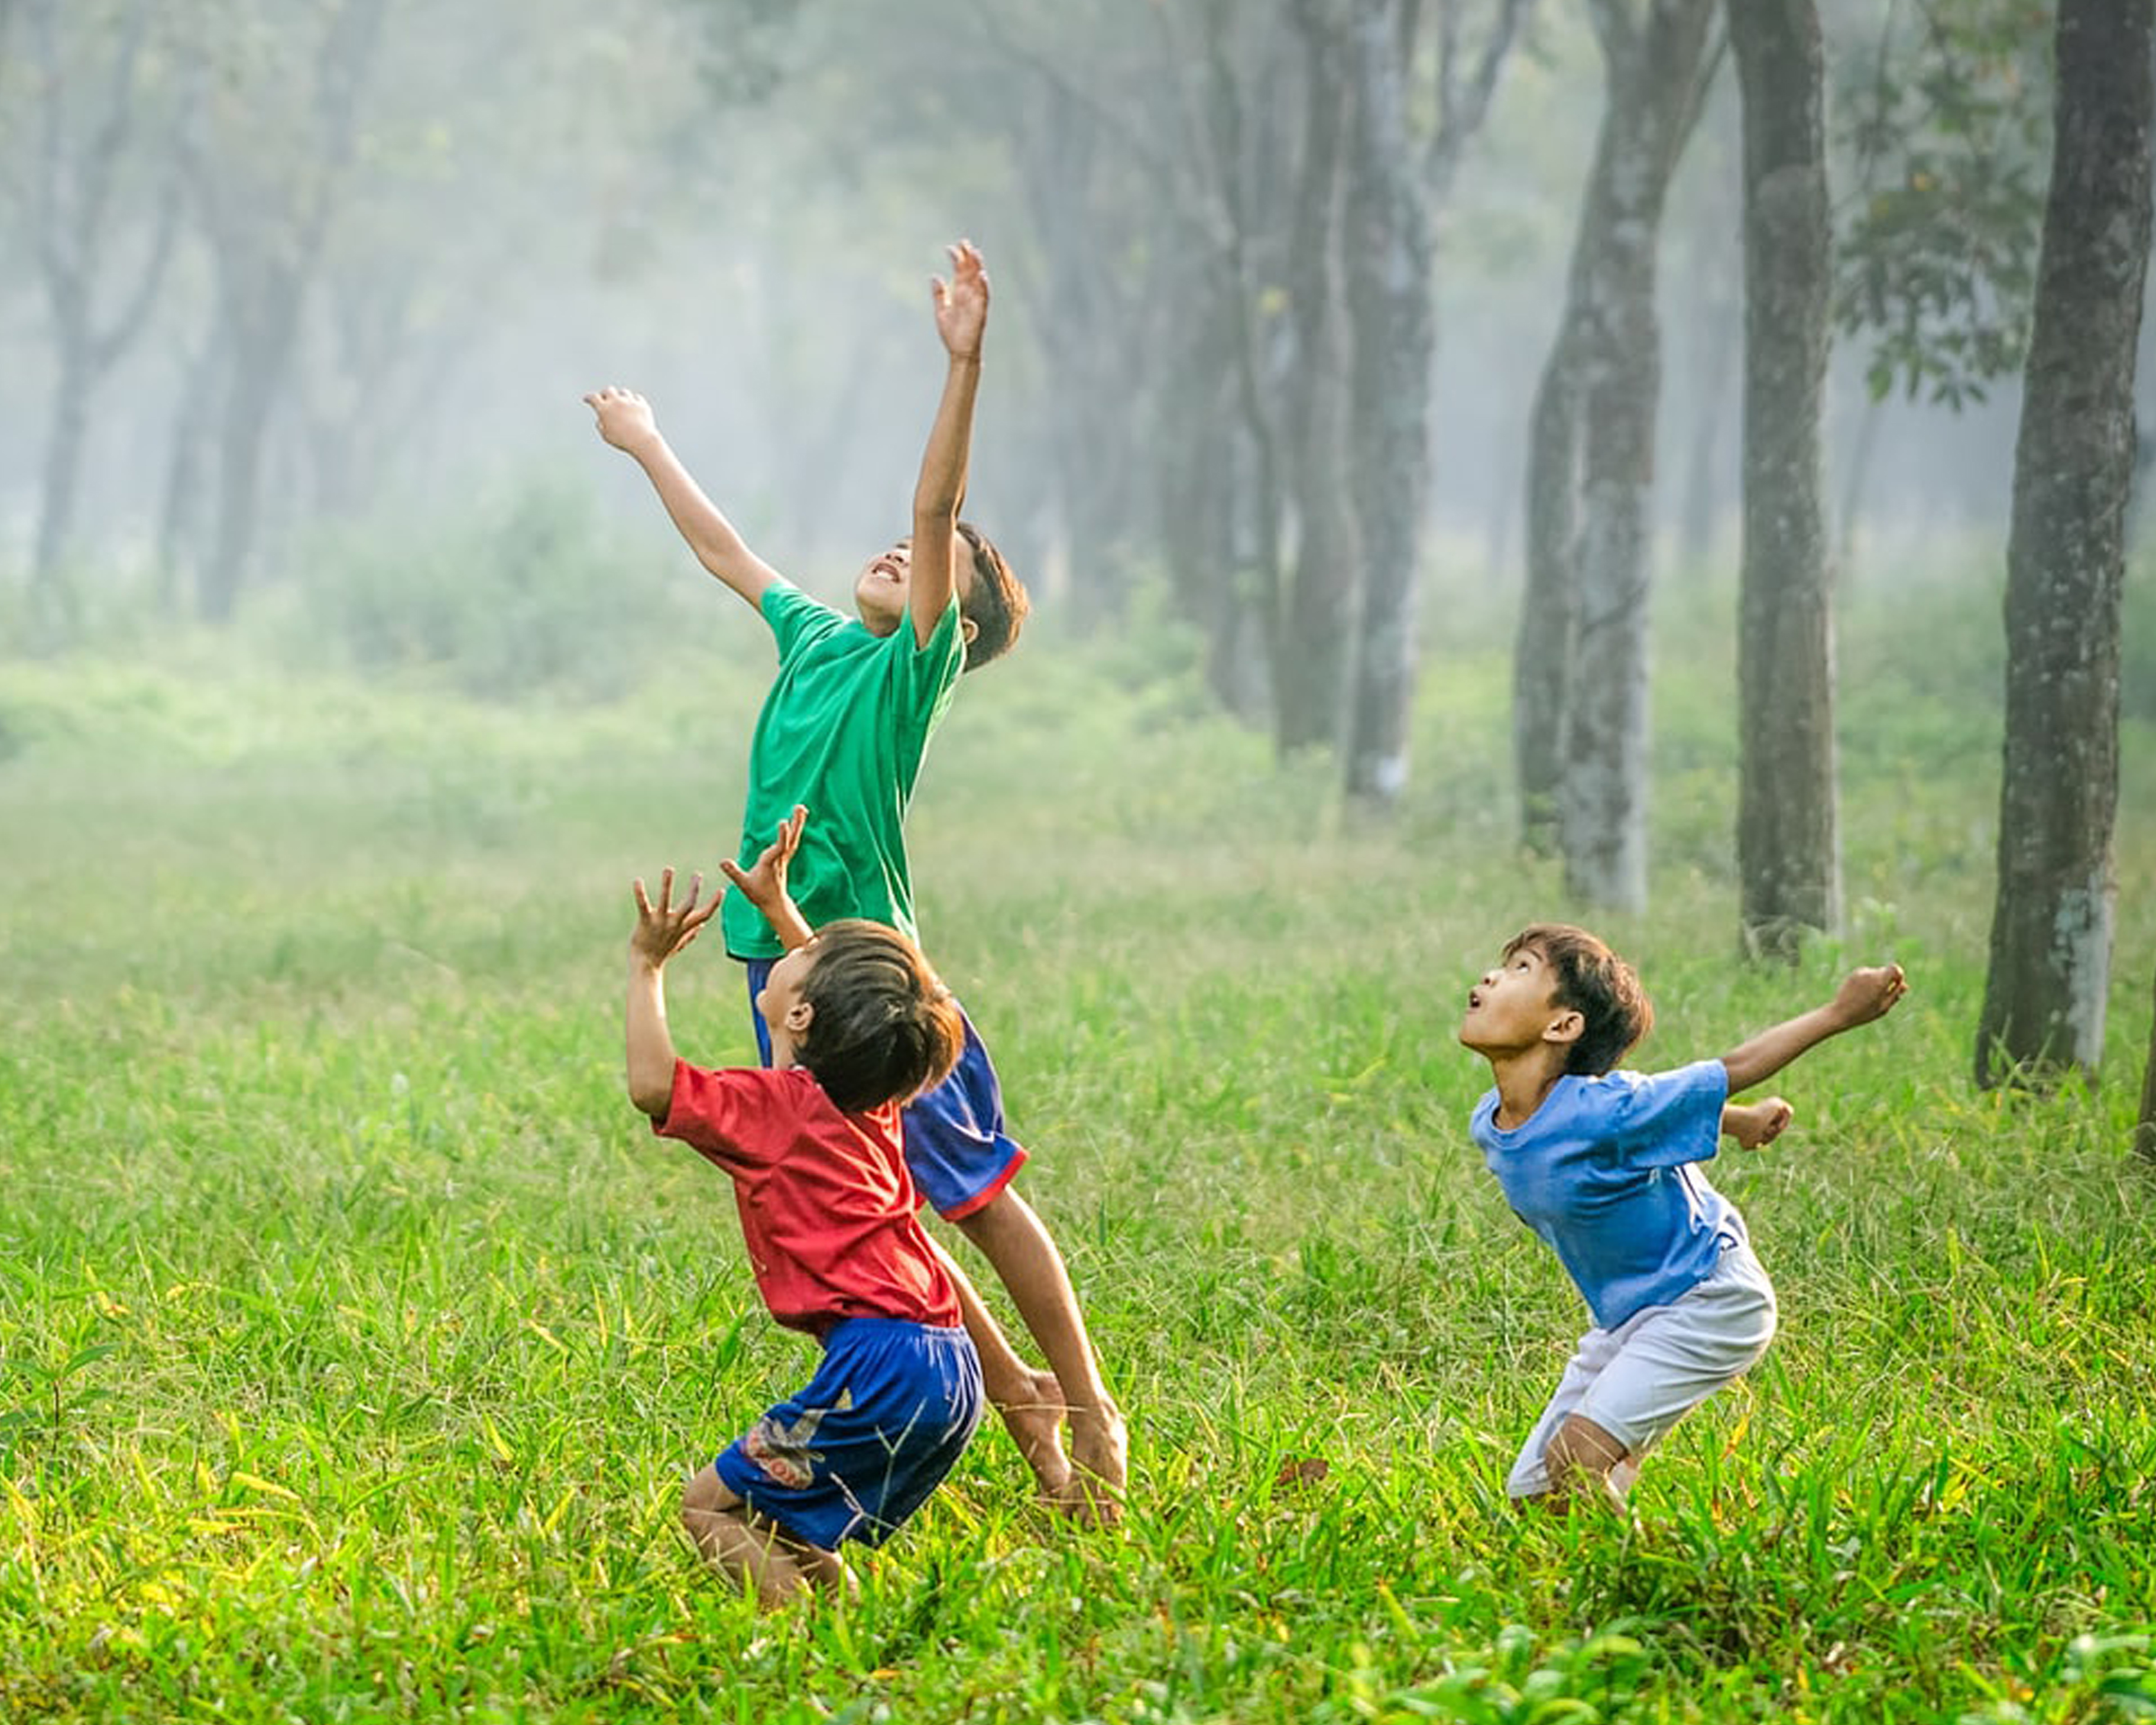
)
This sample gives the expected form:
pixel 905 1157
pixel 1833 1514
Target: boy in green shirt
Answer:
pixel 842 732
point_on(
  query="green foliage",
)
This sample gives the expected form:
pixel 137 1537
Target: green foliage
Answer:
pixel 1946 119
pixel 521 592
pixel 354 1335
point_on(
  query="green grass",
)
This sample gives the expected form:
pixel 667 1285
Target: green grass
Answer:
pixel 355 1334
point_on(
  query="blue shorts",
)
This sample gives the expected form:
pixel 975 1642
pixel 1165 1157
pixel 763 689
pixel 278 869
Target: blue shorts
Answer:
pixel 887 1415
pixel 956 1147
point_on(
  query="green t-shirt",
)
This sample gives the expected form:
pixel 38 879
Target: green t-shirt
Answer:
pixel 841 731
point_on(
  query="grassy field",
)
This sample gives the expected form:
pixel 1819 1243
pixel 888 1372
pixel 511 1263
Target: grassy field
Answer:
pixel 355 1335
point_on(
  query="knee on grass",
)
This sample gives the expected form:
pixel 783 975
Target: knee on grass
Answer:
pixel 738 1542
pixel 1581 1457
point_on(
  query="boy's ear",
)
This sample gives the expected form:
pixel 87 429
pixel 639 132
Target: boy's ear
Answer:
pixel 1569 1026
pixel 967 628
pixel 799 1018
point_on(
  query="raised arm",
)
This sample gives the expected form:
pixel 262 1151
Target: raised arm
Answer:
pixel 625 420
pixel 962 315
pixel 662 930
pixel 1863 996
pixel 764 884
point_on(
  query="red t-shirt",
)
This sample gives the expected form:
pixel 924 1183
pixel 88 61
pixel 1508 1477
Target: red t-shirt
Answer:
pixel 827 1207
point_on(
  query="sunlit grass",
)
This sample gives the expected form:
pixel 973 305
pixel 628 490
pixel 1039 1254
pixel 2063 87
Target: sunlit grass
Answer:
pixel 354 1333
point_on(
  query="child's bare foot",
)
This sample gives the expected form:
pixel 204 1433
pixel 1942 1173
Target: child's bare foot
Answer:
pixel 1100 1457
pixel 1035 1423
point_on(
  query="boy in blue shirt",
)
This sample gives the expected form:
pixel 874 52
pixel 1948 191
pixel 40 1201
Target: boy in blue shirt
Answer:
pixel 1602 1165
pixel 844 731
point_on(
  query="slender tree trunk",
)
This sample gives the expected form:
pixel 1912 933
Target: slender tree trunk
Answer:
pixel 87 144
pixel 1655 70
pixel 1789 857
pixel 258 361
pixel 1543 654
pixel 64 443
pixel 1309 670
pixel 266 263
pixel 180 514
pixel 1388 264
pixel 2050 932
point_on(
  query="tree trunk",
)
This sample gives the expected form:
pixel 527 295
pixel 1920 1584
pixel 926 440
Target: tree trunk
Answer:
pixel 267 255
pixel 258 344
pixel 1388 246
pixel 1310 660
pixel 1788 860
pixel 1654 76
pixel 2073 467
pixel 79 172
pixel 1543 644
pixel 76 377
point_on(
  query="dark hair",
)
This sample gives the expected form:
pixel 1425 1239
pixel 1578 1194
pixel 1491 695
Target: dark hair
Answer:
pixel 1597 985
pixel 882 1028
pixel 997 604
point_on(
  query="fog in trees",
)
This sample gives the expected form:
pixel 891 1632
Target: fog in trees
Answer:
pixel 1318 328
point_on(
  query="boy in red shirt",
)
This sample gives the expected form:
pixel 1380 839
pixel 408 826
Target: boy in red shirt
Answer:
pixel 858 1025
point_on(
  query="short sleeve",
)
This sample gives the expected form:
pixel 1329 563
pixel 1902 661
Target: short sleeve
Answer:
pixel 723 1115
pixel 923 679
pixel 1668 1118
pixel 794 619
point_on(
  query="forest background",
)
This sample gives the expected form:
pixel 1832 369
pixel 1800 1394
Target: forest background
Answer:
pixel 349 1340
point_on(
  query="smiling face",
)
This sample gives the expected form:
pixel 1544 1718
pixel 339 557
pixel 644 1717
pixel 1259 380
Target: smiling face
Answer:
pixel 881 589
pixel 1514 1007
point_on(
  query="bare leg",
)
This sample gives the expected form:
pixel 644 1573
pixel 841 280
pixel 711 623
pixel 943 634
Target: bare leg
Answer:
pixel 1587 1462
pixel 1030 1402
pixel 735 1540
pixel 1011 1236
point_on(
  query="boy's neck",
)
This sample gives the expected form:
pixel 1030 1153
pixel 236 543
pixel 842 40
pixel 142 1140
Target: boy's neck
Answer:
pixel 1524 1080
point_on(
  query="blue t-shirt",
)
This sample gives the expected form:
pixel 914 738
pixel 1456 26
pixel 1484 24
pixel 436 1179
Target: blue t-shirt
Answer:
pixel 1602 1172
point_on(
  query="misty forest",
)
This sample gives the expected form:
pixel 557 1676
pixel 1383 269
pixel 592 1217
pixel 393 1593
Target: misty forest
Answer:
pixel 1667 466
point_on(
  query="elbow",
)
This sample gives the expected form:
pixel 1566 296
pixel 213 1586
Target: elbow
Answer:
pixel 652 1093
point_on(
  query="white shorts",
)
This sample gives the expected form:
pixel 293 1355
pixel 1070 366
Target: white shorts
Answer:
pixel 1638 1380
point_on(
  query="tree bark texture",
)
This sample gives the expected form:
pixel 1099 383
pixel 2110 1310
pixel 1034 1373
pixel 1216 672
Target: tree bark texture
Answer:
pixel 1612 340
pixel 1387 262
pixel 1788 851
pixel 2051 926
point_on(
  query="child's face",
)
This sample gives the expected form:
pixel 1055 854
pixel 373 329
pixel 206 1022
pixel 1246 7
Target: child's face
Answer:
pixel 880 589
pixel 785 1012
pixel 1513 1006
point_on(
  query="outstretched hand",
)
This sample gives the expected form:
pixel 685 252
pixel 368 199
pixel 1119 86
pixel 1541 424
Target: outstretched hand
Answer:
pixel 1869 993
pixel 625 418
pixel 664 929
pixel 763 883
pixel 962 303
